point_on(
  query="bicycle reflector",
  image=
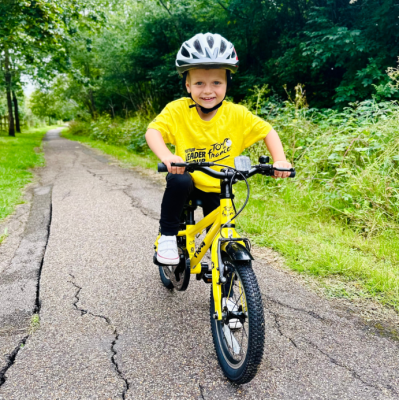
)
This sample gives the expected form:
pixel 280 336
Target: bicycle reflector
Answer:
pixel 243 163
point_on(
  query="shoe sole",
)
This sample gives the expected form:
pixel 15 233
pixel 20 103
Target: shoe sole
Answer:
pixel 235 325
pixel 167 261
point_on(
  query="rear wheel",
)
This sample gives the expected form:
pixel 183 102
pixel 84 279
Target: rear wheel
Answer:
pixel 239 336
pixel 166 282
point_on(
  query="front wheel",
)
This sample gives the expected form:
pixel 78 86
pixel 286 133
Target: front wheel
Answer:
pixel 239 336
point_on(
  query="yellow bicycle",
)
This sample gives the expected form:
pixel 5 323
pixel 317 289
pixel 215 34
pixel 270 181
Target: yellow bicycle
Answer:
pixel 236 309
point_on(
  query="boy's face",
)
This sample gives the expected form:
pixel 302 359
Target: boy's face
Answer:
pixel 207 86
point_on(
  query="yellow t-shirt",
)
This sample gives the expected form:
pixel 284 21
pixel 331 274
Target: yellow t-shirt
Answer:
pixel 229 132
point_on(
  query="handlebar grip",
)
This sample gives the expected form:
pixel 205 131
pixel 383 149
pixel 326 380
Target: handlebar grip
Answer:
pixel 292 174
pixel 162 167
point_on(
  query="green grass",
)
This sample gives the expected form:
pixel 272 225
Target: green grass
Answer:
pixel 35 324
pixel 17 156
pixel 4 235
pixel 122 154
pixel 346 263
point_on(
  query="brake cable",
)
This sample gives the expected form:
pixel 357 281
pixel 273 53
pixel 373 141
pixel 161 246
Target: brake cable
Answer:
pixel 233 203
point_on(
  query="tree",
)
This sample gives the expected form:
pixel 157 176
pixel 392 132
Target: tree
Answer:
pixel 34 33
pixel 55 103
pixel 339 49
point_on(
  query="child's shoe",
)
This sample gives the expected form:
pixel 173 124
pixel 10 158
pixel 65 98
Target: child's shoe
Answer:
pixel 167 252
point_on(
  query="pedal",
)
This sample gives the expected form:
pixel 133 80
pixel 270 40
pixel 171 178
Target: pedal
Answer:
pixel 155 261
pixel 205 269
pixel 207 278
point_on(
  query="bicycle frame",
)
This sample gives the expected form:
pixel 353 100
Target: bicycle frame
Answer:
pixel 220 216
pixel 236 309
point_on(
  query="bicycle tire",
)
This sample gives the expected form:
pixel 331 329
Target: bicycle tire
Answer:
pixel 165 281
pixel 245 370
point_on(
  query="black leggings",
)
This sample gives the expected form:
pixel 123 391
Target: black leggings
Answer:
pixel 179 189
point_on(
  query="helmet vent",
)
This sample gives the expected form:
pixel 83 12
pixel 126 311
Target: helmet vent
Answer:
pixel 223 47
pixel 197 46
pixel 184 52
pixel 208 51
pixel 210 41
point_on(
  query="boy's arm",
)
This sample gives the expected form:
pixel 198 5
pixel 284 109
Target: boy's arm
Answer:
pixel 156 143
pixel 274 146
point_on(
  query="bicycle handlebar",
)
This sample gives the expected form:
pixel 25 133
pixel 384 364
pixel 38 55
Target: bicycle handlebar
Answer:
pixel 264 169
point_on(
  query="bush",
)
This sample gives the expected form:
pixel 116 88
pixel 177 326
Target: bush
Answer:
pixel 347 159
pixel 127 133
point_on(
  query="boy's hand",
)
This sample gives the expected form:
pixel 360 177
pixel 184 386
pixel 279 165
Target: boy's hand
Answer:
pixel 173 159
pixel 282 164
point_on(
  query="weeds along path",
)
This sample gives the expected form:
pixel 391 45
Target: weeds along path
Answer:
pixel 109 330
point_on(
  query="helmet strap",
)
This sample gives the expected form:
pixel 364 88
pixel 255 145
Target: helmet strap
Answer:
pixel 206 110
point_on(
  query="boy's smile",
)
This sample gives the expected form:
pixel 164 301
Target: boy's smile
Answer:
pixel 207 86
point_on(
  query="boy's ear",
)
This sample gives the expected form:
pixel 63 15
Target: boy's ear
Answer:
pixel 185 86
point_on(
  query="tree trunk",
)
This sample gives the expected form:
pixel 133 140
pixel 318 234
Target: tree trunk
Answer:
pixel 11 130
pixel 15 101
pixel 93 106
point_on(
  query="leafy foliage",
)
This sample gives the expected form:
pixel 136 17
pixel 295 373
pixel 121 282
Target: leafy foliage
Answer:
pixel 339 50
pixel 127 133
pixel 347 160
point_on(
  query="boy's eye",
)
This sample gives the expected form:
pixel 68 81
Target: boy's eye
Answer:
pixel 199 83
pixel 217 83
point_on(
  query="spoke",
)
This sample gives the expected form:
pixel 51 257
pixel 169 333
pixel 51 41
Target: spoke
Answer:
pixel 236 301
pixel 246 333
pixel 230 287
pixel 244 306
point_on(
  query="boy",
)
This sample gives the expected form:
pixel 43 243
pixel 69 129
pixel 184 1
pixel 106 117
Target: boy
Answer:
pixel 203 127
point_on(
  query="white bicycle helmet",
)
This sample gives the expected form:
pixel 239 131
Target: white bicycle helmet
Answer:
pixel 208 50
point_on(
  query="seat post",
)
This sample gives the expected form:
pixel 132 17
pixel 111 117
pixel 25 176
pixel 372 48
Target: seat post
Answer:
pixel 190 216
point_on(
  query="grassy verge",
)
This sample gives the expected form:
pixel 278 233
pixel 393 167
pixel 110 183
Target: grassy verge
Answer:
pixel 17 155
pixel 345 263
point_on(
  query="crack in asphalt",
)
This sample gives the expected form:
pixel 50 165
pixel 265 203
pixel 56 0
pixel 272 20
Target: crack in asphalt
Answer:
pixel 11 359
pixel 278 327
pixel 330 358
pixel 302 310
pixel 100 177
pixel 352 371
pixel 135 202
pixel 13 355
pixel 68 194
pixel 201 391
pixel 115 333
pixel 38 304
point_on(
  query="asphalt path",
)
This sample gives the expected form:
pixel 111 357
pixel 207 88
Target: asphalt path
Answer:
pixel 110 330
